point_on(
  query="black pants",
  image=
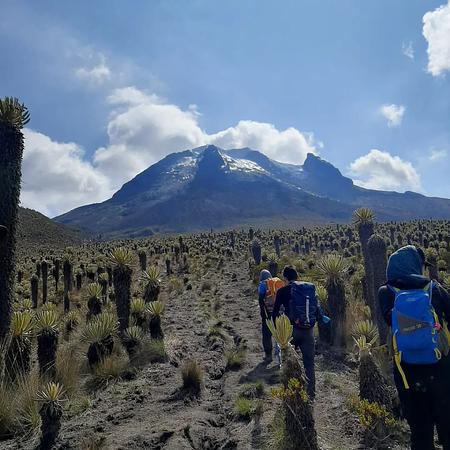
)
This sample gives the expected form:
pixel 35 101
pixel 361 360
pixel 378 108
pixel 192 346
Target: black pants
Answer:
pixel 304 341
pixel 426 403
pixel 266 338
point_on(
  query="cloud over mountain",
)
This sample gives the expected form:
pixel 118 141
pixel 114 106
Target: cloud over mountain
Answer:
pixel 381 170
pixel 55 176
pixel 144 128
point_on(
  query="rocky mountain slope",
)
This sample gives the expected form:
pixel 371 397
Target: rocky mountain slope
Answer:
pixel 209 187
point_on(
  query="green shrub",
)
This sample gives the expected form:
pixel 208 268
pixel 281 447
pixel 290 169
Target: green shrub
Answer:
pixel 235 358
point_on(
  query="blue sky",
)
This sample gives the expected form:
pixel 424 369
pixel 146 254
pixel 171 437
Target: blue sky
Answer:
pixel 113 86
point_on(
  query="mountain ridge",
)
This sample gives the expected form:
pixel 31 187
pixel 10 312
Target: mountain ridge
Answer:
pixel 208 187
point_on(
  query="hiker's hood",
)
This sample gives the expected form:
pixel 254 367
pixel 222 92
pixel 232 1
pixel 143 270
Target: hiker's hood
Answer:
pixel 264 275
pixel 406 265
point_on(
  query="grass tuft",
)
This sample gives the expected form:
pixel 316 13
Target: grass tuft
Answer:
pixel 235 358
pixel 192 375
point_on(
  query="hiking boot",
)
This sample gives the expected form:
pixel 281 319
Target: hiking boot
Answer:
pixel 278 355
pixel 268 358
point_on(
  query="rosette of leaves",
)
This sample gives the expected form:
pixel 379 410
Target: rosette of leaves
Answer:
pixel 103 280
pixel 17 358
pixel 152 282
pixel 155 310
pixel 99 334
pixel 51 399
pixel 94 302
pixel 138 311
pixel 47 338
pixel 133 338
pixel 366 329
pixel 71 321
pixel 334 268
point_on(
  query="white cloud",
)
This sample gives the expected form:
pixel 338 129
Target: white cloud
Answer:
pixel 393 114
pixel 437 155
pixel 290 145
pixel 436 30
pixel 144 128
pixel 97 74
pixel 56 178
pixel 408 49
pixel 381 170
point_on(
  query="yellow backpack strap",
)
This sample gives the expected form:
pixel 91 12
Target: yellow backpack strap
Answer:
pixel 446 331
pixel 398 360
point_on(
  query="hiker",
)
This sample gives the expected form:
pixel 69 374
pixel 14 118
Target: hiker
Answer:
pixel 267 289
pixel 301 306
pixel 418 309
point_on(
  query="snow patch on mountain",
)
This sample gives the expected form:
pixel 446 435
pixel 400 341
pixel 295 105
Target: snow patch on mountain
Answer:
pixel 244 165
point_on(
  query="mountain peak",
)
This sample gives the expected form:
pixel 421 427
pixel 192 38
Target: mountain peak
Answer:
pixel 323 178
pixel 208 186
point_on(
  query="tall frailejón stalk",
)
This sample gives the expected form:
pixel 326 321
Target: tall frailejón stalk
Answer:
pixel 122 259
pixel 364 221
pixel 44 268
pixel 333 267
pixel 13 117
pixel 378 257
pixel 300 432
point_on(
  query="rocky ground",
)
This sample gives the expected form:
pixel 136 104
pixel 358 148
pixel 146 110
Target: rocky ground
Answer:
pixel 150 411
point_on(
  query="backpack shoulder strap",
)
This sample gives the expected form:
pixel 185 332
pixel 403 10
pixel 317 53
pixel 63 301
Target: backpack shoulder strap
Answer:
pixel 398 360
pixel 393 289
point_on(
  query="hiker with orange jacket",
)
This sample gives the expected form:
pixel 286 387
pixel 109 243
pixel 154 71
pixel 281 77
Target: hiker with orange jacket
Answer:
pixel 267 290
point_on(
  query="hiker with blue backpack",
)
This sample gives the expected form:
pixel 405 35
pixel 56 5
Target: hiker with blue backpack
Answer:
pixel 418 311
pixel 301 306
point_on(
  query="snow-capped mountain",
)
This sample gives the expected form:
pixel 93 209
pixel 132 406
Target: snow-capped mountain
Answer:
pixel 210 187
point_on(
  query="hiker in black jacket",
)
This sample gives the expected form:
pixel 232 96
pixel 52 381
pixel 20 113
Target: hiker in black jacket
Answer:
pixel 303 338
pixel 424 389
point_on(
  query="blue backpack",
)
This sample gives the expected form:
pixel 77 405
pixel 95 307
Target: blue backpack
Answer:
pixel 303 305
pixel 415 328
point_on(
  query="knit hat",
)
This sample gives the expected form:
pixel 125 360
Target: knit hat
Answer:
pixel 264 275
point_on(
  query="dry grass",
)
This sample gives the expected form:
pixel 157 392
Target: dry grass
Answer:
pixel 176 285
pixel 92 443
pixel 150 351
pixel 19 409
pixel 7 413
pixel 192 375
pixel 110 369
pixel 27 405
pixel 68 368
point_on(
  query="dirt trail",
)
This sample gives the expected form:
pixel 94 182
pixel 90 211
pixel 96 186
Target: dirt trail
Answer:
pixel 149 413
